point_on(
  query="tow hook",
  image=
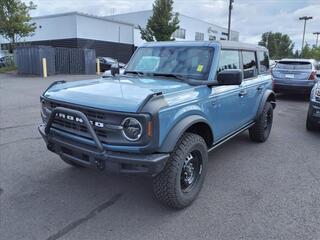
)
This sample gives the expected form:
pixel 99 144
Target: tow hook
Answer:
pixel 100 164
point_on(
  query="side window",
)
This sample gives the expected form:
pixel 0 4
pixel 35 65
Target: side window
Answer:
pixel 263 59
pixel 229 59
pixel 249 64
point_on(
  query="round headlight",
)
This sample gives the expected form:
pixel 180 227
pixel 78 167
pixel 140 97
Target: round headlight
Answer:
pixel 131 129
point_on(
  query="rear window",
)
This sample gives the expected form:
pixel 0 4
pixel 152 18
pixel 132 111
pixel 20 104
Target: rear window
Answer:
pixel 291 65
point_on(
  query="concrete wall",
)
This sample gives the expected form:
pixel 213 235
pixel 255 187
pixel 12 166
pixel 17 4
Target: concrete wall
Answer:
pixel 103 30
pixel 190 24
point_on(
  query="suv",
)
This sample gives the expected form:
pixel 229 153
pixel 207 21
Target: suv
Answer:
pixel 175 102
pixel 313 119
pixel 295 75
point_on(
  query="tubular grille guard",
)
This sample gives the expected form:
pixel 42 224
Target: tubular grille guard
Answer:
pixel 76 114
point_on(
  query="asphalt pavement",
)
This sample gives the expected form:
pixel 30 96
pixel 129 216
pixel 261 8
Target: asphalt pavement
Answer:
pixel 252 191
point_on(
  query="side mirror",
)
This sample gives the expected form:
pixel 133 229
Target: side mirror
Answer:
pixel 230 77
pixel 115 69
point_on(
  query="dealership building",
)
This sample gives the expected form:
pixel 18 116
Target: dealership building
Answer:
pixel 114 36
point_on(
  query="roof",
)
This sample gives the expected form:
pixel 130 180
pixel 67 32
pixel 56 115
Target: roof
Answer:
pixel 298 60
pixel 84 15
pixel 223 44
pixel 150 11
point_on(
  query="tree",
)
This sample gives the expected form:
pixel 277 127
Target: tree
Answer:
pixel 278 44
pixel 310 52
pixel 162 24
pixel 15 20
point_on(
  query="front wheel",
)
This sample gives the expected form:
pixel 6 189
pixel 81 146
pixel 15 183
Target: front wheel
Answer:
pixel 178 185
pixel 262 128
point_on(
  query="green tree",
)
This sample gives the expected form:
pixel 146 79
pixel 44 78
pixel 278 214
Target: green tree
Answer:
pixel 15 20
pixel 279 45
pixel 310 52
pixel 162 24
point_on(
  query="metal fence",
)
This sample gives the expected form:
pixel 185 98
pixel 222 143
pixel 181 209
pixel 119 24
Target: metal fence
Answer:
pixel 59 60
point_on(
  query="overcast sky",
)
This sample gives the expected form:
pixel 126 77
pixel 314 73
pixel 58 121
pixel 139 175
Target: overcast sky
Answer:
pixel 250 17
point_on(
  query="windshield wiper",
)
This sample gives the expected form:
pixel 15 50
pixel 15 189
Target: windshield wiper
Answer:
pixel 176 76
pixel 135 72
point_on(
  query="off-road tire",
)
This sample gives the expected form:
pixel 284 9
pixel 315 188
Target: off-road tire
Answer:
pixel 73 164
pixel 167 184
pixel 259 132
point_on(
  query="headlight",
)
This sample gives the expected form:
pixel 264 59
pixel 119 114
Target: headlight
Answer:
pixel 317 92
pixel 131 129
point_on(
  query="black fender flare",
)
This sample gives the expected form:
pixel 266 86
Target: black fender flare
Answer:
pixel 178 130
pixel 270 96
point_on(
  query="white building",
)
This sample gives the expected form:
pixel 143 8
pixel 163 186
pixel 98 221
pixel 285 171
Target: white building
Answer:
pixel 191 29
pixel 114 36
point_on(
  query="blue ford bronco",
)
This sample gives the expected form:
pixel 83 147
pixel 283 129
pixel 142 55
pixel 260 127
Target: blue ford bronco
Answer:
pixel 175 102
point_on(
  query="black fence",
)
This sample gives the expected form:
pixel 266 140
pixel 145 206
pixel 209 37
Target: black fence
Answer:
pixel 59 60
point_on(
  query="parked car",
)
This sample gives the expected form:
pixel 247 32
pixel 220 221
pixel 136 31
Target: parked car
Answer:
pixel 313 119
pixel 2 59
pixel 175 102
pixel 295 75
pixel 273 63
pixel 106 62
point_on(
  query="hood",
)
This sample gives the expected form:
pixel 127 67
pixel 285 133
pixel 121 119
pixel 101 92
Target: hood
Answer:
pixel 124 94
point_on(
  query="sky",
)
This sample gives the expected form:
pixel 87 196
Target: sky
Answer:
pixel 250 17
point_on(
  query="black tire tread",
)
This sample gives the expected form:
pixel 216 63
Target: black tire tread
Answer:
pixel 164 182
pixel 257 132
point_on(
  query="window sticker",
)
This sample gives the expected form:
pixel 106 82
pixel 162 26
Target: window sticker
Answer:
pixel 200 68
pixel 148 63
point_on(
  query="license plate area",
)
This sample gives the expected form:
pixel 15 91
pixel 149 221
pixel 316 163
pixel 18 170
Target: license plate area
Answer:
pixel 289 76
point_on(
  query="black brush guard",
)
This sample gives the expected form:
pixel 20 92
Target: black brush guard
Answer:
pixel 74 148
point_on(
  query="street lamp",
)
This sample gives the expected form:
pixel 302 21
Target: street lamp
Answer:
pixel 229 21
pixel 317 33
pixel 305 18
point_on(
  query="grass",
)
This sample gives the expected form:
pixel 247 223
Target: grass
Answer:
pixel 7 69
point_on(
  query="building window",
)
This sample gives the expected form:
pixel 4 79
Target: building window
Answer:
pixel 223 39
pixel 199 36
pixel 212 38
pixel 179 33
pixel 225 34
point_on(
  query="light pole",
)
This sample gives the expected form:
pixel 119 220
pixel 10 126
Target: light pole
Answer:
pixel 317 33
pixel 305 18
pixel 229 21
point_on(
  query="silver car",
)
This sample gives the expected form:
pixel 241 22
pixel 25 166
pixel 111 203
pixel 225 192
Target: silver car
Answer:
pixel 295 75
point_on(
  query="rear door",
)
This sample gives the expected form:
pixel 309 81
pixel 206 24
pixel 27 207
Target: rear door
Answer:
pixel 256 80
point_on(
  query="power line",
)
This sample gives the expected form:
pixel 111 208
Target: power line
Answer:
pixel 229 21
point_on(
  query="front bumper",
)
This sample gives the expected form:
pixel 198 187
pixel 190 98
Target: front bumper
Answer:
pixel 97 156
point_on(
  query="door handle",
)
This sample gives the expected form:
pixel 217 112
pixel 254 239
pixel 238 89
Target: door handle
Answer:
pixel 242 93
pixel 260 88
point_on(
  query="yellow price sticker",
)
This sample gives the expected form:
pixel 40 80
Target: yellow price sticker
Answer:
pixel 200 68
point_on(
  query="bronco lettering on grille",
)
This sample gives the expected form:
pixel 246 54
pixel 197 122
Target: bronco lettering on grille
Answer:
pixel 79 120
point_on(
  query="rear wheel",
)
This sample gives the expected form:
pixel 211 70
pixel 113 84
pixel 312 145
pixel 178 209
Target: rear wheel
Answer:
pixel 178 185
pixel 262 128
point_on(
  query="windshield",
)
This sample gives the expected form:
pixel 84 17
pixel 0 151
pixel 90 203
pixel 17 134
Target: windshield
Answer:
pixel 291 65
pixel 189 62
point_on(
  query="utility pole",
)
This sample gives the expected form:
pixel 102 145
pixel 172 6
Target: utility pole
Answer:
pixel 317 33
pixel 305 18
pixel 229 21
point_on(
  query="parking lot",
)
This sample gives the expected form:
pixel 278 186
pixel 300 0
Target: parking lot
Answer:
pixel 252 191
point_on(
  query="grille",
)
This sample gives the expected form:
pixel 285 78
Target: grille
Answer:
pixel 77 127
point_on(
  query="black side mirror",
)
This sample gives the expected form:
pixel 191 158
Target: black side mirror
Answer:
pixel 230 77
pixel 115 69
